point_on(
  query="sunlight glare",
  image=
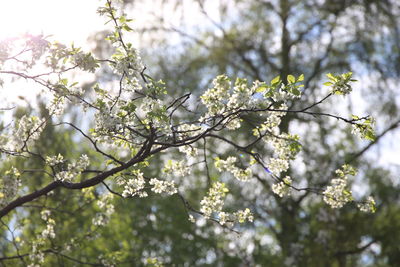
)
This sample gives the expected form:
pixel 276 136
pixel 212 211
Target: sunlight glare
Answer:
pixel 66 21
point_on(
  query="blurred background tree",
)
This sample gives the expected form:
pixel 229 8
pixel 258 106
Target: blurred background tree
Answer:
pixel 187 43
pixel 261 39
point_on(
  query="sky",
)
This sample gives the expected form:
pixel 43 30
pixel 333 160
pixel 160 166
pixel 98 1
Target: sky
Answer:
pixel 67 21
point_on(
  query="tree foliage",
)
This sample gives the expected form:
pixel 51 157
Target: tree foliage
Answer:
pixel 141 151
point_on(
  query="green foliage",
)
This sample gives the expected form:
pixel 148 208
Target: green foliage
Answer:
pixel 295 231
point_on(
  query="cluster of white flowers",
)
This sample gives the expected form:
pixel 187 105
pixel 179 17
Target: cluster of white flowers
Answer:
pixel 106 123
pixel 271 124
pixel 26 131
pixel 5 47
pixel 73 169
pixel 176 168
pixel 229 165
pixel 242 95
pixel 189 130
pixel 56 106
pixel 285 146
pixel 85 61
pixel 154 112
pixel 81 164
pixel 364 129
pixel 214 201
pixel 127 61
pixel 29 128
pixel 222 99
pixel 278 165
pixel 55 160
pixel 163 186
pixel 9 184
pixel 36 256
pixel 107 209
pixel 233 123
pixel 115 112
pixel 38 45
pixel 65 176
pixel 240 216
pixel 337 195
pixel 282 188
pixel 133 186
pixel 215 98
pixel 340 84
pixel 225 218
pixel 284 93
pixel 150 105
pixel 48 232
pixel 189 150
pixel 243 215
pixel 45 214
pixel 132 85
pixel 100 219
pixel 368 205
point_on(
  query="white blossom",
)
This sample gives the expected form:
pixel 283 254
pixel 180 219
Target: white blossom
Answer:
pixel 176 168
pixel 134 186
pixel 368 205
pixel 229 165
pixel 52 161
pixel 282 188
pixel 9 185
pixel 107 209
pixel 189 130
pixel 65 176
pixel 214 200
pixel 163 186
pixel 244 215
pixel 337 195
pixel 26 131
pixel 189 150
pixel 85 61
pixel 49 231
pixel 215 98
pixel 73 169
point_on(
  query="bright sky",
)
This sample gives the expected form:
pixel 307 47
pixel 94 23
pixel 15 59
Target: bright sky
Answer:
pixel 67 21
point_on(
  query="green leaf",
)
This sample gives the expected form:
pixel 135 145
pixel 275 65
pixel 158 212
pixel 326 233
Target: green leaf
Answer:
pixel 269 93
pixel 330 76
pixel 127 28
pixel 122 19
pixel 262 88
pixel 64 81
pixel 328 83
pixel 276 80
pixel 370 135
pixel 291 79
pixel 301 78
pixel 296 92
